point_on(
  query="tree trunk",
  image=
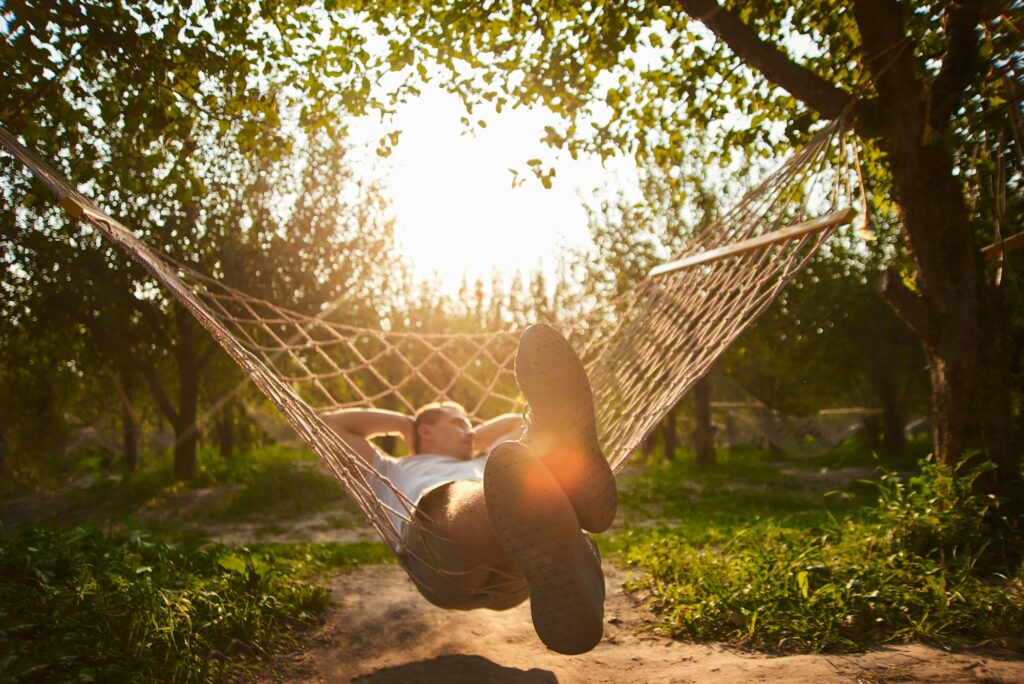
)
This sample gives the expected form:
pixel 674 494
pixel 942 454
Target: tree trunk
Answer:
pixel 883 379
pixel 129 432
pixel 955 317
pixel 124 383
pixel 226 431
pixel 669 434
pixel 730 431
pixel 186 436
pixel 872 434
pixel 704 434
pixel 183 418
pixel 3 450
pixel 955 314
pixel 647 445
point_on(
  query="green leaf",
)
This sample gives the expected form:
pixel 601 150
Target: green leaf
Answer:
pixel 232 562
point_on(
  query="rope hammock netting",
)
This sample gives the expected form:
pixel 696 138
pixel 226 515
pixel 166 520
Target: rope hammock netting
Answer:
pixel 643 351
pixel 742 418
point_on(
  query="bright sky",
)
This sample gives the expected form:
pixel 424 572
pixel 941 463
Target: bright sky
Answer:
pixel 457 214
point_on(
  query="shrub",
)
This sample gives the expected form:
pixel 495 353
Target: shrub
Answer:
pixel 920 565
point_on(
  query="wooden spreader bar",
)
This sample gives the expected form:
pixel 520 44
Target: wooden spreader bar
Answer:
pixel 836 218
pixel 1009 244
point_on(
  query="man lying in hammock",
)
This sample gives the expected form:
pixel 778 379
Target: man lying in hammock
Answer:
pixel 487 532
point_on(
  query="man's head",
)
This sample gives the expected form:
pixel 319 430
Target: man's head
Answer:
pixel 443 429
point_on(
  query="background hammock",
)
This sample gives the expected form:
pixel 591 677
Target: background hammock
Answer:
pixel 743 418
pixel 643 351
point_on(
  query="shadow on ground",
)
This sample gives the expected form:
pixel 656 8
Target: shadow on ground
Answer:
pixel 456 669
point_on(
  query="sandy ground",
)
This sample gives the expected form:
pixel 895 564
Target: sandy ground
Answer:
pixel 380 630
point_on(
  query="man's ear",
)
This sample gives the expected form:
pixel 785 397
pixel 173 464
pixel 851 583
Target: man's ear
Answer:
pixel 424 432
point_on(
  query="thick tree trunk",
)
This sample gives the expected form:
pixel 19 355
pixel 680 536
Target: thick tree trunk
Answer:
pixel 703 435
pixel 955 314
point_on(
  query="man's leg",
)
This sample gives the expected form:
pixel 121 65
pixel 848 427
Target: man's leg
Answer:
pixel 518 521
pixel 540 492
pixel 459 512
pixel 561 428
pixel 453 555
pixel 535 523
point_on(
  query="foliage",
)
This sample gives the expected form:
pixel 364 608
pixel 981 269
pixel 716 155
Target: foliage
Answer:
pixel 931 560
pixel 644 79
pixel 85 605
pixel 211 132
pixel 933 91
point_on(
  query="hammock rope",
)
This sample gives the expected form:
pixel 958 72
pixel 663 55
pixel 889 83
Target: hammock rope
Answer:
pixel 643 351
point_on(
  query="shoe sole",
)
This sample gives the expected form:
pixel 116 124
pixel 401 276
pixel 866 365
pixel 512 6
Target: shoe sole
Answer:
pixel 562 424
pixel 536 525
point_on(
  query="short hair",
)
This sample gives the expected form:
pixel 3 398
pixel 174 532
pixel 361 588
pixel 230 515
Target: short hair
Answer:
pixel 429 414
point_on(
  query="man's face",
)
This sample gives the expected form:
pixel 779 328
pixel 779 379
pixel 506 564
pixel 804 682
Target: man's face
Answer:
pixel 450 435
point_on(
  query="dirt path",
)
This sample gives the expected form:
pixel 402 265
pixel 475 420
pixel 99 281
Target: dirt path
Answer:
pixel 382 631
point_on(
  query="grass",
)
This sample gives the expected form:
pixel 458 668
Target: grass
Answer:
pixel 750 557
pixel 86 605
pixel 753 552
pixel 268 484
pixel 744 488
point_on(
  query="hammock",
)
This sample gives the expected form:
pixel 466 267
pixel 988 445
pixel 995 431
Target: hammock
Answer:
pixel 749 420
pixel 643 351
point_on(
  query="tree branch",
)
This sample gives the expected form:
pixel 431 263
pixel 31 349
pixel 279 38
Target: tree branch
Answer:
pixel 907 305
pixel 802 83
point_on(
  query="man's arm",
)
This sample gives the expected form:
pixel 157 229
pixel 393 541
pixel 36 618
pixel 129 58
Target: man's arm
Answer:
pixel 498 429
pixel 358 426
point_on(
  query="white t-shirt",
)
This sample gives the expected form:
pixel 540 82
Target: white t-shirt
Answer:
pixel 418 475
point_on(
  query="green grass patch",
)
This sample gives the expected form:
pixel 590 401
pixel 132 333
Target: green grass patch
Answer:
pixel 270 483
pixel 854 451
pixel 929 560
pixel 283 490
pixel 86 605
pixel 745 487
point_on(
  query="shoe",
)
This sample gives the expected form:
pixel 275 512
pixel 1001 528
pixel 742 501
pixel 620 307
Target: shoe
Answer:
pixel 536 525
pixel 561 426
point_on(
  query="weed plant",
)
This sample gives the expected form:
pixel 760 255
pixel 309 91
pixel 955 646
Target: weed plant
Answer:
pixel 929 560
pixel 85 605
